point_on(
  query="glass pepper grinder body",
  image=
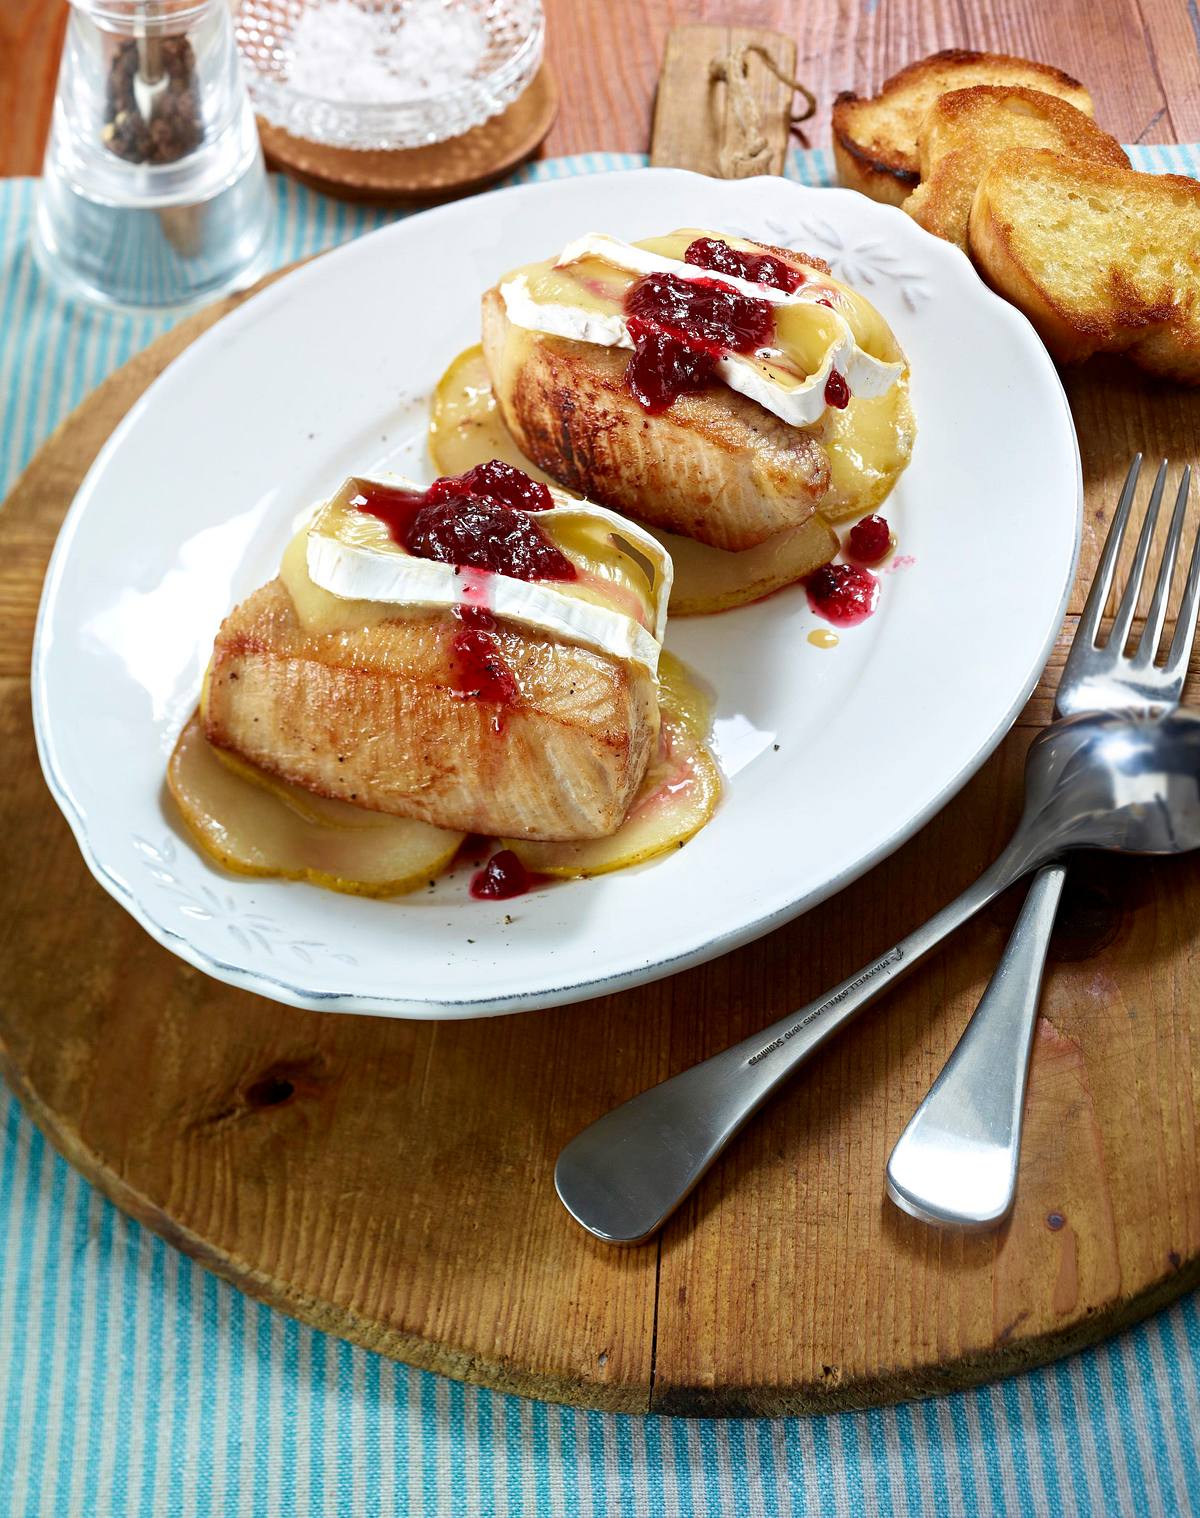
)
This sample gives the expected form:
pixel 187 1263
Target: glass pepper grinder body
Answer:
pixel 153 193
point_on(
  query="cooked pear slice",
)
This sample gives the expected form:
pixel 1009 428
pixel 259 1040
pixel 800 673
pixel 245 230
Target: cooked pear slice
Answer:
pixel 255 824
pixel 677 797
pixel 465 425
pixel 710 579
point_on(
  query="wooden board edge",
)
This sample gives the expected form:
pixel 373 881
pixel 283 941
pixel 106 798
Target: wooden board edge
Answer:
pixel 979 1368
pixel 454 1362
pixel 460 1364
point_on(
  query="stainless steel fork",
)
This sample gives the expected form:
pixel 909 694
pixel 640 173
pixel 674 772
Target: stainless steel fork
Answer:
pixel 956 1162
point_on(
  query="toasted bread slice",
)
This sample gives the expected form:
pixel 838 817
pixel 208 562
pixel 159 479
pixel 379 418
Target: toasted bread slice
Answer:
pixel 965 129
pixel 374 716
pixel 875 141
pixel 1099 258
pixel 714 466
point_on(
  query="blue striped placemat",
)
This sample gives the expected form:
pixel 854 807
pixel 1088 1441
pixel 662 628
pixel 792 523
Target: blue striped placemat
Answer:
pixel 134 1382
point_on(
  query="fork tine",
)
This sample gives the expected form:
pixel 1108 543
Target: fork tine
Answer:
pixel 1093 607
pixel 1185 627
pixel 1156 616
pixel 1137 570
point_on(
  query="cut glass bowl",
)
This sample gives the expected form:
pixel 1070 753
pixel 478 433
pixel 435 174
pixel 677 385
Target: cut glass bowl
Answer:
pixel 386 74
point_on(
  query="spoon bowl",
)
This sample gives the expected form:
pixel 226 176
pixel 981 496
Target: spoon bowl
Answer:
pixel 1122 781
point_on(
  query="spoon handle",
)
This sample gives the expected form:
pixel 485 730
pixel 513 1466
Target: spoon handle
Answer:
pixel 623 1176
pixel 956 1162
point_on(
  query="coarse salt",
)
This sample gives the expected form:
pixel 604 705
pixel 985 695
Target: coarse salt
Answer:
pixel 410 51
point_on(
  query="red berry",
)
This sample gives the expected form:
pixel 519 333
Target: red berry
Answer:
pixel 759 268
pixel 494 481
pixel 842 593
pixel 483 533
pixel 503 876
pixel 837 391
pixel 870 540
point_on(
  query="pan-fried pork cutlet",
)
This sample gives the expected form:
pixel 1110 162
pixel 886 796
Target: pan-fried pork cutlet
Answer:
pixel 379 715
pixel 716 466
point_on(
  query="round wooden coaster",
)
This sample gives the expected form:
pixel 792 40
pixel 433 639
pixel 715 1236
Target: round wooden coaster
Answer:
pixel 391 1182
pixel 414 174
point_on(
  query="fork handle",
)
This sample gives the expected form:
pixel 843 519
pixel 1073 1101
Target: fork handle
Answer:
pixel 956 1162
pixel 623 1176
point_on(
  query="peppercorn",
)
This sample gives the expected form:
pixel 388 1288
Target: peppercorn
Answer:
pixel 175 127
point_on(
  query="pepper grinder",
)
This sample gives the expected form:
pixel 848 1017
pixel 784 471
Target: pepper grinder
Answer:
pixel 154 194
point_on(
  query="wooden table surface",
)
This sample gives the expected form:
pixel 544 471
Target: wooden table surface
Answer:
pixel 1139 58
pixel 787 1282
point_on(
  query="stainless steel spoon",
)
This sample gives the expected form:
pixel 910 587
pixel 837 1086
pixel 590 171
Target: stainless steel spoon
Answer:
pixel 1098 781
pixel 956 1162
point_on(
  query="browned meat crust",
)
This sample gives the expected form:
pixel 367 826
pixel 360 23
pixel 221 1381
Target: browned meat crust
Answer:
pixel 372 716
pixel 715 466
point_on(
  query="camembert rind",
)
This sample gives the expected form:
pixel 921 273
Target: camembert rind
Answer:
pixel 381 572
pixel 799 404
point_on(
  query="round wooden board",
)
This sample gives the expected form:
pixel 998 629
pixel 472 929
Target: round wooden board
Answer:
pixel 391 1182
pixel 418 174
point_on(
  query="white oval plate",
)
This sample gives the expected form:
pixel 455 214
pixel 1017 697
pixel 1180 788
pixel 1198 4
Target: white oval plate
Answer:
pixel 833 758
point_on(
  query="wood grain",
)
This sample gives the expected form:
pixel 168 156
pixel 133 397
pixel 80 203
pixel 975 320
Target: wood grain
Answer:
pixel 697 124
pixel 1139 58
pixel 1136 56
pixel 31 33
pixel 390 1182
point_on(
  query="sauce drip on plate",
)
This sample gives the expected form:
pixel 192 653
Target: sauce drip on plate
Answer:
pixel 503 877
pixel 844 594
pixel 870 540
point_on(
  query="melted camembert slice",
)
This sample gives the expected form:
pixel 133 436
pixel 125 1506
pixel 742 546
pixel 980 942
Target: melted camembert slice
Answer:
pixel 829 343
pixel 344 568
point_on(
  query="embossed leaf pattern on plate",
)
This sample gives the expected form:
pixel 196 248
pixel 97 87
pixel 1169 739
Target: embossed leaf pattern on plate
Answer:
pixel 249 930
pixel 857 263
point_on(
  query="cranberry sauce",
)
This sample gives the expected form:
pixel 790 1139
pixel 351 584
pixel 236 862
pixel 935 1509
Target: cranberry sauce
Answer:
pixel 662 368
pixel 495 481
pixel 703 313
pixel 481 523
pixel 477 665
pixel 478 533
pixel 681 327
pixel 842 593
pixel 502 877
pixel 870 540
pixel 837 391
pixel 759 268
pixel 479 520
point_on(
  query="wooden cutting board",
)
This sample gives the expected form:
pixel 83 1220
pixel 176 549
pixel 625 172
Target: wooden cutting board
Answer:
pixel 391 1182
